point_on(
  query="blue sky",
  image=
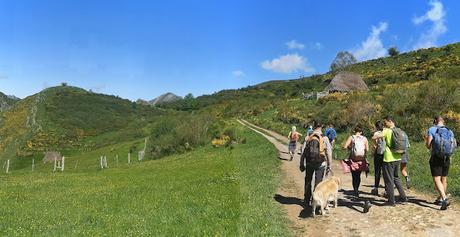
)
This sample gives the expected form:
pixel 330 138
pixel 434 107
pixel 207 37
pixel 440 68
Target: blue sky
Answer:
pixel 141 49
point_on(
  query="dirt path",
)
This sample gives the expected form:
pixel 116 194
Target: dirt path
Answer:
pixel 420 217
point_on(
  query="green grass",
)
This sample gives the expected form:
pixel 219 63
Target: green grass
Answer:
pixel 206 192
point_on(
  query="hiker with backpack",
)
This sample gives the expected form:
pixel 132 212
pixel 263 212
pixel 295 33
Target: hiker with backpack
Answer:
pixel 331 134
pixel 441 141
pixel 358 146
pixel 316 159
pixel 293 138
pixel 378 148
pixel 395 145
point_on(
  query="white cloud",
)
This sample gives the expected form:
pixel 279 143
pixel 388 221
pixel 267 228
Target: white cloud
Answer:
pixel 288 63
pixel 372 47
pixel 295 45
pixel 317 45
pixel 238 73
pixel 436 15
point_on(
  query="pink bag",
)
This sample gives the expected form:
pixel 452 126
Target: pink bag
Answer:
pixel 350 165
pixel 345 166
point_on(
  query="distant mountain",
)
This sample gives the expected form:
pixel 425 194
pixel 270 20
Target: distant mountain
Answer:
pixel 7 101
pixel 165 98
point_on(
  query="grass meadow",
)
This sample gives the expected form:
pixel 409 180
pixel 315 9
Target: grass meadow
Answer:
pixel 205 192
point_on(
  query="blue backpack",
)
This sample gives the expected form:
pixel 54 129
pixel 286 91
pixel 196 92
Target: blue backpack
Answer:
pixel 331 134
pixel 443 144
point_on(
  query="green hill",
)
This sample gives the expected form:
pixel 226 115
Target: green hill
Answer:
pixel 412 86
pixel 70 118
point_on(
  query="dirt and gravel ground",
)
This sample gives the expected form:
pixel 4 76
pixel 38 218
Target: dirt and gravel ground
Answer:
pixel 419 217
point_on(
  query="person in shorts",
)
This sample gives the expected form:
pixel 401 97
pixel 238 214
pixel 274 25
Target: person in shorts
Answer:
pixel 439 166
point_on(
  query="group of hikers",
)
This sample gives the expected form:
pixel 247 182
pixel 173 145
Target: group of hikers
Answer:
pixel 390 153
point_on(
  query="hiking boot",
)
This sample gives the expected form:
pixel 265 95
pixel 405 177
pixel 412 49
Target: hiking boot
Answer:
pixel 367 206
pixel 375 192
pixel 356 193
pixel 391 204
pixel 438 201
pixel 408 182
pixel 444 204
pixel 403 200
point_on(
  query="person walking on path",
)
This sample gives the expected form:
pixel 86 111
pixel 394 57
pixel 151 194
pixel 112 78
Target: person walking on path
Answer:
pixel 293 138
pixel 316 158
pixel 358 146
pixel 331 134
pixel 440 140
pixel 378 148
pixel 404 161
pixel 394 141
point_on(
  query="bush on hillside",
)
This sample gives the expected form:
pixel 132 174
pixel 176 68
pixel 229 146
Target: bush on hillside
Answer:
pixel 177 133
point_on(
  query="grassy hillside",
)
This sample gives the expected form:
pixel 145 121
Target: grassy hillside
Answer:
pixel 70 118
pixel 206 192
pixel 413 87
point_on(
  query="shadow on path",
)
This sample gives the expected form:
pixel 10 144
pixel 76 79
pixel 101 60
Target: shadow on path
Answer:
pixel 288 200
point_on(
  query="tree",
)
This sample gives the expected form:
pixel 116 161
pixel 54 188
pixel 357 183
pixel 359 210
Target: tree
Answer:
pixel 64 84
pixel 343 59
pixel 189 96
pixel 393 51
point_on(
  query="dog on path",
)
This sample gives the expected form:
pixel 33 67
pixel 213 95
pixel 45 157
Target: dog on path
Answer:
pixel 326 191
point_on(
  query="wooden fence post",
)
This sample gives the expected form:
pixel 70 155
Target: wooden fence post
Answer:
pixel 33 164
pixel 62 166
pixel 7 166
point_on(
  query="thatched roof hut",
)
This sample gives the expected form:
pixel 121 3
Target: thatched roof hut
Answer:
pixel 345 82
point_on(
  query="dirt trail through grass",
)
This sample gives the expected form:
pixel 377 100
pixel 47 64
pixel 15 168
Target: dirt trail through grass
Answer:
pixel 420 217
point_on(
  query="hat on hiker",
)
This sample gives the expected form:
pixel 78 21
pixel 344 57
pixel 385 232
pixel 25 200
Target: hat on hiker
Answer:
pixel 294 128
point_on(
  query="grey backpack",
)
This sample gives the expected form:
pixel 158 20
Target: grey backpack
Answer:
pixel 398 141
pixel 380 150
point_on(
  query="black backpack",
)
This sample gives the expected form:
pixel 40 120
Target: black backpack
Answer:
pixel 314 152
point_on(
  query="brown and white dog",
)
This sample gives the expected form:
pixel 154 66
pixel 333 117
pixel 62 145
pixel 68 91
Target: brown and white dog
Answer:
pixel 326 191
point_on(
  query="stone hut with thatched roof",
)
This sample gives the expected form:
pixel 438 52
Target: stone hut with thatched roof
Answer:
pixel 346 82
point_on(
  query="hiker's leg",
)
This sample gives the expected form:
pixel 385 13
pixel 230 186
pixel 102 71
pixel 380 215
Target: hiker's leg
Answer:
pixel 397 181
pixel 358 181
pixel 308 177
pixel 319 175
pixel 439 186
pixel 355 175
pixel 389 179
pixel 445 172
pixel 378 162
pixel 444 183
